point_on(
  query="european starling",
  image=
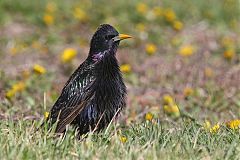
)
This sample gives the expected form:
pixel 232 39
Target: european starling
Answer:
pixel 95 92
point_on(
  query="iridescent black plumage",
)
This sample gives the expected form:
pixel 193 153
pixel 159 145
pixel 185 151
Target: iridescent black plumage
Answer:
pixel 95 92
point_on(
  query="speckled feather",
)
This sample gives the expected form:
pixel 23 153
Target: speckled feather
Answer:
pixel 95 92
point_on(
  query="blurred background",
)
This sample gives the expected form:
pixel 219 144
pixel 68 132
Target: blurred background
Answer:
pixel 184 58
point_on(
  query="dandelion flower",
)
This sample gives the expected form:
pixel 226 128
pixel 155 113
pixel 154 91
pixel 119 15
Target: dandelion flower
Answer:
pixel 215 128
pixel 167 109
pixel 20 86
pixel 68 54
pixel 188 91
pixel 125 68
pixel 39 69
pixel 10 93
pixel 207 125
pixel 48 19
pixel 175 109
pixel 17 87
pixel 229 54
pixel 142 8
pixel 149 116
pixel 168 100
pixel 123 139
pixel 80 14
pixel 172 110
pixel 177 25
pixel 150 49
pixel 46 114
pixel 234 124
pixel 186 50
pixel 169 14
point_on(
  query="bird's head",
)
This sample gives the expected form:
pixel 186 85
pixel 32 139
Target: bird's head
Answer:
pixel 105 41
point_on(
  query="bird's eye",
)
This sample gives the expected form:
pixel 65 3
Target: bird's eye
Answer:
pixel 108 37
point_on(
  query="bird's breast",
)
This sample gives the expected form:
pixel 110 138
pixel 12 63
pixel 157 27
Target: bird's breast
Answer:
pixel 110 93
pixel 110 90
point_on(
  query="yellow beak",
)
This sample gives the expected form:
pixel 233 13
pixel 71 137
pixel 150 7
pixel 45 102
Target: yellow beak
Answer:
pixel 121 37
pixel 124 36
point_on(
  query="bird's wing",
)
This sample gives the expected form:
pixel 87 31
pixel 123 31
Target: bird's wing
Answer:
pixel 75 95
pixel 70 112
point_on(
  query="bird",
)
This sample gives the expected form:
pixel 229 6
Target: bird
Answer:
pixel 95 93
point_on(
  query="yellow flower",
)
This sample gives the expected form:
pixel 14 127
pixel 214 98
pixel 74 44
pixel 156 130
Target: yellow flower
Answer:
pixel 149 116
pixel 234 124
pixel 140 27
pixel 177 25
pixel 68 54
pixel 168 100
pixel 20 86
pixel 125 68
pixel 208 72
pixel 51 7
pixel 46 114
pixel 39 69
pixel 142 8
pixel 10 93
pixel 80 14
pixel 158 11
pixel 172 110
pixel 186 50
pixel 167 109
pixel 150 49
pixel 17 87
pixel 48 19
pixel 123 139
pixel 215 128
pixel 207 125
pixel 169 14
pixel 229 54
pixel 188 91
pixel 175 109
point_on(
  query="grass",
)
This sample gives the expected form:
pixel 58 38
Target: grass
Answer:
pixel 202 81
pixel 145 140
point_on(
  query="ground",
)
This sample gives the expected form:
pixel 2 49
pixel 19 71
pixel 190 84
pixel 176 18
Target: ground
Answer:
pixel 181 69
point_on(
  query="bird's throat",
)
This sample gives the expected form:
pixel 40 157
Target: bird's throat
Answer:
pixel 108 68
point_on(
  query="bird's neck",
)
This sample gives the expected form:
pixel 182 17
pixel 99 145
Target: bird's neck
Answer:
pixel 105 64
pixel 108 68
